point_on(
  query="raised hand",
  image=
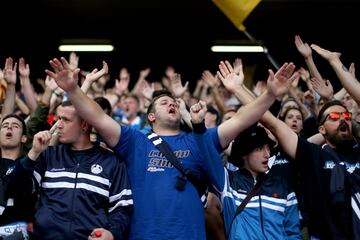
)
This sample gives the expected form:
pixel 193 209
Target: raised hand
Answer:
pixel 323 88
pixel 176 86
pixel 352 69
pixel 50 83
pixel 1 74
pixel 95 74
pixel 73 61
pixel 229 77
pixel 303 48
pixel 210 79
pixel 40 143
pixel 10 71
pixel 147 90
pixel 169 71
pixel 65 77
pixel 279 83
pixel 238 66
pixel 24 69
pixel 144 73
pixel 122 85
pixel 198 111
pixel 295 79
pixel 326 53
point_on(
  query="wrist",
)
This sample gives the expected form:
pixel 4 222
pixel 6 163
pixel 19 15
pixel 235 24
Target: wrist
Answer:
pixel 33 155
pixel 199 127
pixel 24 78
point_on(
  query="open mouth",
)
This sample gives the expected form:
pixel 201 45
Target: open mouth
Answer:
pixel 9 134
pixel 343 128
pixel 172 111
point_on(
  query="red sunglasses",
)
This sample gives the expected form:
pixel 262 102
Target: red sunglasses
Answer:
pixel 334 116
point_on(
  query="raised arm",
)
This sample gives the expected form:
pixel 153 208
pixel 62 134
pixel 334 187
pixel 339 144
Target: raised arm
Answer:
pixel 87 109
pixel 94 76
pixel 305 50
pixel 214 85
pixel 277 85
pixel 10 78
pixel 348 81
pixel 27 87
pixel 287 137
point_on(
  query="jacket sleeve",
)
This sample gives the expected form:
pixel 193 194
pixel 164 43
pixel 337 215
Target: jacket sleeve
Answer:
pixel 292 222
pixel 120 202
pixel 37 168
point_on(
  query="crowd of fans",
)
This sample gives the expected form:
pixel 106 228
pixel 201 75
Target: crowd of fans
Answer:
pixel 79 159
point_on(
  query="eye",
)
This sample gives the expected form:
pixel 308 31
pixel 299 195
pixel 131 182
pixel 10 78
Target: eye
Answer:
pixel 334 116
pixel 347 115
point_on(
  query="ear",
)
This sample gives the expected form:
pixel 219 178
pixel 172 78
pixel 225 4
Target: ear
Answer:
pixel 322 129
pixel 151 117
pixel 84 126
pixel 23 139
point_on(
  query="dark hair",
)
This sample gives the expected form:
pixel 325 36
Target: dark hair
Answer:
pixel 289 99
pixel 328 104
pixel 251 138
pixel 18 118
pixel 66 103
pixel 283 116
pixel 212 110
pixel 156 95
pixel 103 103
pixel 134 96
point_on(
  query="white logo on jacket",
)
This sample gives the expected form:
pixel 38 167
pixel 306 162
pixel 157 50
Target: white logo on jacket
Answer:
pixel 10 170
pixel 96 169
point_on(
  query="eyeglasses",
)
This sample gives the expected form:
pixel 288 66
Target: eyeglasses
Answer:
pixel 334 116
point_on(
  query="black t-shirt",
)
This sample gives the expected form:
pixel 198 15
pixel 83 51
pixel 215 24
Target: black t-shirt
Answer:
pixel 328 220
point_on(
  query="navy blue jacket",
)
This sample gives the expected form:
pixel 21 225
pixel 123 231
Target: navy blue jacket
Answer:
pixel 80 191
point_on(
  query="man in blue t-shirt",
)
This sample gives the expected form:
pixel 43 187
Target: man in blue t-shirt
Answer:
pixel 161 211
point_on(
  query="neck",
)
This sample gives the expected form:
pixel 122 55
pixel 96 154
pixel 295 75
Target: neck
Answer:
pixel 330 144
pixel 10 153
pixel 131 118
pixel 83 143
pixel 165 131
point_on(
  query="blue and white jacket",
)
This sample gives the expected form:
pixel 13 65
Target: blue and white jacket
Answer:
pixel 80 191
pixel 271 214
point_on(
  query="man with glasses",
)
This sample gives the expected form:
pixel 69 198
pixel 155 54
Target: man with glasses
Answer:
pixel 330 172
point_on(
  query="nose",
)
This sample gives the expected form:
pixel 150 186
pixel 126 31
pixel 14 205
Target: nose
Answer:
pixel 59 124
pixel 267 151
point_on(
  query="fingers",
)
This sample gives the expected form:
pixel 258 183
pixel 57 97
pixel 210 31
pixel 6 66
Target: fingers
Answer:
pixel 105 67
pixel 43 137
pixel 65 63
pixel 50 73
pixel 197 107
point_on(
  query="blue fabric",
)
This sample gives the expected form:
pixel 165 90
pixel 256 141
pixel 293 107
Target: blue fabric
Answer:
pixel 272 214
pixel 160 210
pixel 81 191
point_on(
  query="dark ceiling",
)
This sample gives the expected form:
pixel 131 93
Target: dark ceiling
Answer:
pixel 177 32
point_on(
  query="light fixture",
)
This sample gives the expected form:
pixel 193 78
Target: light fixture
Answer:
pixel 86 48
pixel 86 45
pixel 238 48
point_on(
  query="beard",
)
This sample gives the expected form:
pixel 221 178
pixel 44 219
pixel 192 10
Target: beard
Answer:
pixel 341 141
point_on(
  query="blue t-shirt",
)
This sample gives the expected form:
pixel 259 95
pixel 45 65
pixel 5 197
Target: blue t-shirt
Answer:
pixel 160 210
